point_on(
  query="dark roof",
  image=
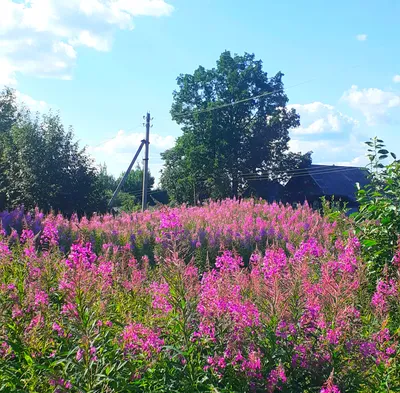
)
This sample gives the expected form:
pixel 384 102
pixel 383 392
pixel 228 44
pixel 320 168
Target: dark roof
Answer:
pixel 268 190
pixel 339 181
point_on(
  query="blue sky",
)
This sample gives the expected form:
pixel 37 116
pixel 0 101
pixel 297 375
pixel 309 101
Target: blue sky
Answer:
pixel 104 63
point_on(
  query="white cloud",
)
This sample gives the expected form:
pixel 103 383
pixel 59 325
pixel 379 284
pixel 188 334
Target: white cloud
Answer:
pixel 360 161
pixel 375 104
pixel 331 135
pixel 125 142
pixel 361 37
pixel 31 103
pixel 349 151
pixel 7 73
pixel 319 118
pixel 118 152
pixel 98 42
pixel 299 145
pixel 396 79
pixel 40 37
pixel 62 47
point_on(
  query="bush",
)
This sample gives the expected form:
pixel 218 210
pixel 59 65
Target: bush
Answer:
pixel 378 219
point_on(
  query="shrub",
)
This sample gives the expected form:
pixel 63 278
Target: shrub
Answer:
pixel 378 219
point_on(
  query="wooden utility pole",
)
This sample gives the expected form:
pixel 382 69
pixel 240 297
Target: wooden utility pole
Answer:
pixel 121 183
pixel 146 164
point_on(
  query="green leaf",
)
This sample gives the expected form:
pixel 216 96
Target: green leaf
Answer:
pixel 383 151
pixel 28 359
pixel 369 242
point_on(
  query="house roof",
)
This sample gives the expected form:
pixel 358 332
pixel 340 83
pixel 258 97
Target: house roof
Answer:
pixel 339 181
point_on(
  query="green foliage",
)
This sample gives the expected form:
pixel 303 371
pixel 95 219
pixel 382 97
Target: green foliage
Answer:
pixel 378 219
pixel 134 183
pixel 129 198
pixel 9 113
pixel 335 211
pixel 220 148
pixel 41 164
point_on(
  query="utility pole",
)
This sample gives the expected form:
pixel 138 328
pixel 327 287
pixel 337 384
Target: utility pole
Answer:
pixel 146 163
pixel 121 183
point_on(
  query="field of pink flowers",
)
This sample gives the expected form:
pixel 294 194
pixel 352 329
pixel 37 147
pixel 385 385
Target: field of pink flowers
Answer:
pixel 227 297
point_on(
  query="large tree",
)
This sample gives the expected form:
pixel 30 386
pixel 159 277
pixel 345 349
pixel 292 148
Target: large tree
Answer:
pixel 235 125
pixel 41 164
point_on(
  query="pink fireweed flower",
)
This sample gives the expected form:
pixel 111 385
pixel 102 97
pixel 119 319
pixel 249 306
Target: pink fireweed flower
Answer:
pixel 329 386
pixel 391 350
pixel 382 336
pixel 5 349
pixel 136 338
pixel 275 376
pixel 81 256
pixel 92 352
pixel 50 234
pixel 253 363
pixel 79 354
pixel 105 270
pixel 30 252
pixel 309 248
pixel 385 290
pixel 274 263
pixel 4 250
pixel 330 389
pixel 160 296
pixel 26 235
pixel 17 312
pixel 170 226
pixel 228 262
pixel 36 322
pixel 69 309
pixel 284 330
pixel 61 383
pixel 58 329
pixel 333 336
pixel 41 299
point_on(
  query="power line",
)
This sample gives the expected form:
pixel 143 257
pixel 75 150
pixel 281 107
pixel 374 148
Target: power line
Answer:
pixel 301 173
pixel 313 172
pixel 196 112
pixel 138 193
pixel 291 172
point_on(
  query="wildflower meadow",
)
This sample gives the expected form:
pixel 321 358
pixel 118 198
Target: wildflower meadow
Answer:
pixel 225 297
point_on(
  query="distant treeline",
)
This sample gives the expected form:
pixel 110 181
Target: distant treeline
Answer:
pixel 41 165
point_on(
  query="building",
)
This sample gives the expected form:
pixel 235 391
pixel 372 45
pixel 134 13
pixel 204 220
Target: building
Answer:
pixel 312 183
pixel 271 191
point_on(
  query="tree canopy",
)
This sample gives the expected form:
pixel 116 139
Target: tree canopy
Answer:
pixel 130 196
pixel 134 182
pixel 235 123
pixel 41 164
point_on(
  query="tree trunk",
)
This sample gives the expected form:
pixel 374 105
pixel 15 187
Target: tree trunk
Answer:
pixel 235 185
